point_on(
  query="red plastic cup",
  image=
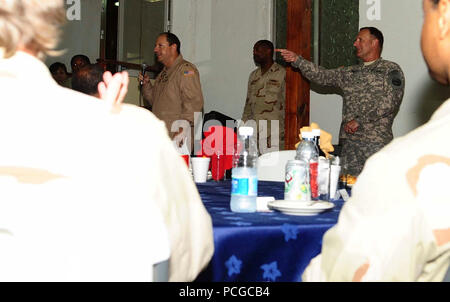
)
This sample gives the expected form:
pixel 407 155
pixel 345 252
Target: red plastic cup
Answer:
pixel 217 167
pixel 186 159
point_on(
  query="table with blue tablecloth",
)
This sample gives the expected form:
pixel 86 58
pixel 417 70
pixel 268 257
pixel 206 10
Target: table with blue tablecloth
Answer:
pixel 261 246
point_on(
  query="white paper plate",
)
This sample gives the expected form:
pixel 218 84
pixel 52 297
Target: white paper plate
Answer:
pixel 300 208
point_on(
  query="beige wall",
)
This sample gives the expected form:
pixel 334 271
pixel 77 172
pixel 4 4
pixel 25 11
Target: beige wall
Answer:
pixel 218 36
pixel 133 92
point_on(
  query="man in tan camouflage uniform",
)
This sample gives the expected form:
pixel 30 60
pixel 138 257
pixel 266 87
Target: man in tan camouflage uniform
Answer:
pixel 372 94
pixel 265 96
pixel 177 91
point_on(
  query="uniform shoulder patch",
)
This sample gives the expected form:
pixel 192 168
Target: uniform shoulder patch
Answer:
pixel 396 79
pixel 187 69
pixel 188 73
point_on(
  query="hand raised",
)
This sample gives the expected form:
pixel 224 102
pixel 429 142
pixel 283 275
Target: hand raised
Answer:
pixel 288 56
pixel 113 89
pixel 351 127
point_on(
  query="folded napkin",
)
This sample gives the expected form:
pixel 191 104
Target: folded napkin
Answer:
pixel 262 202
pixel 325 138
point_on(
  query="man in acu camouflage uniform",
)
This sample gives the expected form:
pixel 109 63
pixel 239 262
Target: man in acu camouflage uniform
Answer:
pixel 372 94
pixel 265 96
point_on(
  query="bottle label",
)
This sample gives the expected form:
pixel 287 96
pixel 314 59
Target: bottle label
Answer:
pixel 244 186
pixel 296 185
pixel 313 175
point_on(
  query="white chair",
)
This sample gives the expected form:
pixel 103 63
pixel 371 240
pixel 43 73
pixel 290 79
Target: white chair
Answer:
pixel 447 276
pixel 271 166
pixel 161 271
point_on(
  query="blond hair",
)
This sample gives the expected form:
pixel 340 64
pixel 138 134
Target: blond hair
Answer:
pixel 30 24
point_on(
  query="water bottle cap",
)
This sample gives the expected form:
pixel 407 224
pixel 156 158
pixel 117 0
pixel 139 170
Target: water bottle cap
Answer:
pixel 246 131
pixel 316 132
pixel 307 135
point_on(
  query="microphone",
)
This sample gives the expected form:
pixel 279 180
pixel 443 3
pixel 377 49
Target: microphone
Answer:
pixel 144 67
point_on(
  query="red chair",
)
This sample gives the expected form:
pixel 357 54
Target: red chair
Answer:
pixel 222 141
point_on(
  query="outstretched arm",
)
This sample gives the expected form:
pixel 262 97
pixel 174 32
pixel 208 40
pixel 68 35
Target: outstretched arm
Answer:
pixel 313 72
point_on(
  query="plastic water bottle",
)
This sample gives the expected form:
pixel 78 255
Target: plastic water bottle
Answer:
pixel 244 182
pixel 307 151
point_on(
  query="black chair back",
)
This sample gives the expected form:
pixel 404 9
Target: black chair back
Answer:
pixel 220 118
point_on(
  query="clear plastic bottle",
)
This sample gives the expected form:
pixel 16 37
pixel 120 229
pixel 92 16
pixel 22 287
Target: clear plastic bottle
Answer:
pixel 244 183
pixel 307 151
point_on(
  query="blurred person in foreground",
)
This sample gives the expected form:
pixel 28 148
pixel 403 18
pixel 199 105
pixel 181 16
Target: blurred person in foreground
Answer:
pixel 77 203
pixel 372 94
pixel 396 225
pixel 86 79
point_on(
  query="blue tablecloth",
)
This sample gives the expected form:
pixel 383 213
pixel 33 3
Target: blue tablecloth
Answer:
pixel 261 246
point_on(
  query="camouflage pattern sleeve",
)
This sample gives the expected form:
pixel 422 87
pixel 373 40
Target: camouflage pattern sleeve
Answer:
pixel 320 75
pixel 389 100
pixel 247 108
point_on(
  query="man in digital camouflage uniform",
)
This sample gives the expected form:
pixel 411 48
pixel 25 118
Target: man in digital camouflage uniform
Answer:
pixel 372 94
pixel 265 97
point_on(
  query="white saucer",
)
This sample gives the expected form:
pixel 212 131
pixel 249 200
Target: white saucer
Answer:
pixel 300 208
